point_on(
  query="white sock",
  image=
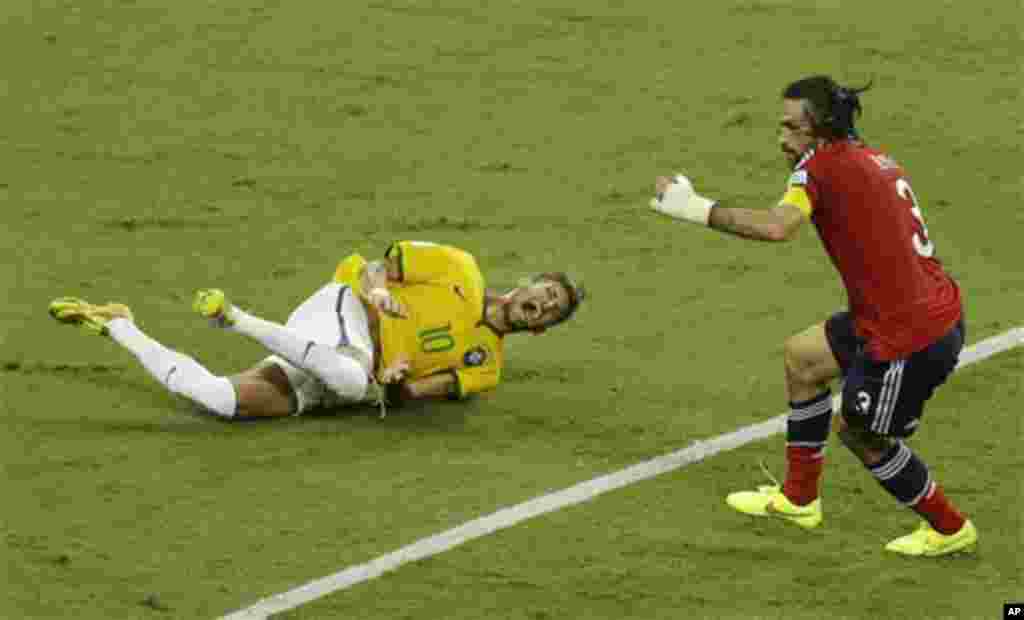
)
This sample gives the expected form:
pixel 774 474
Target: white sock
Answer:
pixel 178 373
pixel 345 376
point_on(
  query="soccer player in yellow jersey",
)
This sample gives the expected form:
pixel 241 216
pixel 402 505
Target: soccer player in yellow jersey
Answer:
pixel 418 323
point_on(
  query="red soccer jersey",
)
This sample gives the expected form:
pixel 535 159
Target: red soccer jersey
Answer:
pixel 871 226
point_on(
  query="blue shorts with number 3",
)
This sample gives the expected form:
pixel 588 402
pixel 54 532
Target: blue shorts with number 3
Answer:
pixel 887 397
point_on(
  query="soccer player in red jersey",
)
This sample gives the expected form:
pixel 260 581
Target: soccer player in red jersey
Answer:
pixel 900 338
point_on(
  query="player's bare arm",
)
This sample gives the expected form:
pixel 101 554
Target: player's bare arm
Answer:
pixel 434 386
pixel 779 223
pixel 396 372
pixel 378 273
pixel 677 198
pixel 374 279
pixel 441 385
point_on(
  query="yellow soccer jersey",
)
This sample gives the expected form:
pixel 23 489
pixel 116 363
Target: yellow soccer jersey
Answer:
pixel 443 291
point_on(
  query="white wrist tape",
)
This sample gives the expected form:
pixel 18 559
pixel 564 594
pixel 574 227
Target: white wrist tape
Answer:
pixel 681 202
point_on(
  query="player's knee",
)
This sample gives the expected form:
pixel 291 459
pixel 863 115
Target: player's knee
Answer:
pixel 351 386
pixel 808 358
pixel 869 447
pixel 191 380
pixel 799 363
pixel 216 395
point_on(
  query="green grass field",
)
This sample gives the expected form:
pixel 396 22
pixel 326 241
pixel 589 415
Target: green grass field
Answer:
pixel 153 148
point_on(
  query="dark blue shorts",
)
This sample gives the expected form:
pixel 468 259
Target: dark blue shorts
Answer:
pixel 887 398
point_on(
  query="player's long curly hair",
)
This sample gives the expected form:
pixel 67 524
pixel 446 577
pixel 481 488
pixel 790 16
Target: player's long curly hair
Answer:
pixel 832 108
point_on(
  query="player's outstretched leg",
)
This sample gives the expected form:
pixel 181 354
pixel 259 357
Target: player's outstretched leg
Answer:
pixel 345 375
pixel 178 373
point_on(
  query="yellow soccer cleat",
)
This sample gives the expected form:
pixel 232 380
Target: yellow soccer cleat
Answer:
pixel 925 541
pixel 75 311
pixel 213 304
pixel 770 501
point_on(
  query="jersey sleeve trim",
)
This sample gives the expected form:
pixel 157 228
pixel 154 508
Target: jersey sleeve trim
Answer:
pixel 472 381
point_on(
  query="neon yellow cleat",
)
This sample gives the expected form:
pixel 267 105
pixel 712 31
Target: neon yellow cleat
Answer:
pixel 213 304
pixel 770 501
pixel 929 543
pixel 75 311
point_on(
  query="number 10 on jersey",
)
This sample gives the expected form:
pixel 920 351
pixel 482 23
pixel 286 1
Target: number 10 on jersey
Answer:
pixel 437 339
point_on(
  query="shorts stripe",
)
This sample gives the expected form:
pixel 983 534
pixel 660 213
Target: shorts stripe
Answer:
pixel 883 398
pixel 341 319
pixel 895 396
pixel 890 394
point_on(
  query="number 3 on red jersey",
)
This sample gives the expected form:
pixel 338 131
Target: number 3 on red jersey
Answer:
pixel 922 244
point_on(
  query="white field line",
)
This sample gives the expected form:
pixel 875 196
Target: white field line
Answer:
pixel 584 491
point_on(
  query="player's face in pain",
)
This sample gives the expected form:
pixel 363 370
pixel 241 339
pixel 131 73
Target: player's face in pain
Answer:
pixel 535 306
pixel 796 135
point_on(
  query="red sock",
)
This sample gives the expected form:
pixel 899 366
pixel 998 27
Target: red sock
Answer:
pixel 938 511
pixel 804 470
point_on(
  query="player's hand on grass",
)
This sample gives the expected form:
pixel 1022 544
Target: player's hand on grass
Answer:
pixel 382 299
pixel 675 197
pixel 394 373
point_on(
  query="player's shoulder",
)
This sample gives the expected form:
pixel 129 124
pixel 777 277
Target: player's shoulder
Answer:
pixel 842 150
pixel 825 155
pixel 429 253
pixel 432 247
pixel 882 160
pixel 405 245
pixel 836 157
